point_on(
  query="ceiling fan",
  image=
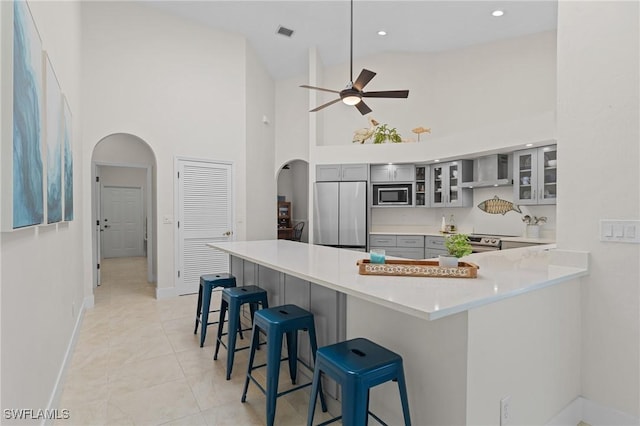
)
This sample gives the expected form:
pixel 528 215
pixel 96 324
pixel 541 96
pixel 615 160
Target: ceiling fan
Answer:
pixel 353 93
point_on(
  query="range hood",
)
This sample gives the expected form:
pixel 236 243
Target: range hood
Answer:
pixel 492 170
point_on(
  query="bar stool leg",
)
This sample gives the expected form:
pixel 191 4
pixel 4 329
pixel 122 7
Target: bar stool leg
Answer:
pixel 232 331
pixel 314 349
pixel 354 409
pixel 273 373
pixel 313 396
pixel 204 318
pixel 255 340
pixel 402 386
pixel 198 309
pixel 223 310
pixel 292 354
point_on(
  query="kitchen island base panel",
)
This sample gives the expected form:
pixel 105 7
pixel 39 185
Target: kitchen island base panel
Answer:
pixel 435 362
pixel 459 367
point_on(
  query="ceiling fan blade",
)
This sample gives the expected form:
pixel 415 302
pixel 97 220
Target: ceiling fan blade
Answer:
pixel 325 105
pixel 319 88
pixel 364 78
pixel 363 108
pixel 387 94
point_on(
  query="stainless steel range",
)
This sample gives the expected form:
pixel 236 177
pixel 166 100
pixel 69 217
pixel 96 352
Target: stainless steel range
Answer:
pixel 481 243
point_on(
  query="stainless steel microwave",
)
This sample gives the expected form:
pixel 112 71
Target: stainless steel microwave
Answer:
pixel 392 194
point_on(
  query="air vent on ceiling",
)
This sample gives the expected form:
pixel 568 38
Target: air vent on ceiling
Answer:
pixel 284 31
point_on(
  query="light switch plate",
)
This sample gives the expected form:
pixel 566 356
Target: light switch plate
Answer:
pixel 620 231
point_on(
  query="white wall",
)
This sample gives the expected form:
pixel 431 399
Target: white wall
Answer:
pixel 463 91
pixel 598 134
pixel 178 86
pixel 43 268
pixel 260 151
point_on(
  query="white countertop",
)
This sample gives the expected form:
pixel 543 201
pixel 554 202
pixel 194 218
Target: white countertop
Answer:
pixel 502 274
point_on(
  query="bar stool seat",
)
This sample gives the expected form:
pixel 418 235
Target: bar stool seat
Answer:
pixel 358 365
pixel 207 283
pixel 276 322
pixel 232 299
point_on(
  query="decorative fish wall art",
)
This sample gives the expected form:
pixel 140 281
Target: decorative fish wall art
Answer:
pixel 498 206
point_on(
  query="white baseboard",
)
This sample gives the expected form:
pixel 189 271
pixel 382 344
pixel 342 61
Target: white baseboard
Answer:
pixel 54 400
pixel 584 410
pixel 166 293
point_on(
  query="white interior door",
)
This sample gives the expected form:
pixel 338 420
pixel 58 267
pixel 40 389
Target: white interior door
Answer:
pixel 204 214
pixel 122 222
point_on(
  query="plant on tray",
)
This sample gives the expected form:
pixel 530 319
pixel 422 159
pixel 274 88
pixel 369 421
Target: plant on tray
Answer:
pixel 457 245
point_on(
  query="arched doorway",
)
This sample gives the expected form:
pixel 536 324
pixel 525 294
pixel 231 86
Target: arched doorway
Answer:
pixel 293 186
pixel 124 168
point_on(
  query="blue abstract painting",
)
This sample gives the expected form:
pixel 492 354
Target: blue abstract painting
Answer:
pixel 53 136
pixel 28 199
pixel 68 162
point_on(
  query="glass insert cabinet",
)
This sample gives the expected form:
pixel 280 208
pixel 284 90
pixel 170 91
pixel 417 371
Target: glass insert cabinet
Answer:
pixel 535 176
pixel 445 180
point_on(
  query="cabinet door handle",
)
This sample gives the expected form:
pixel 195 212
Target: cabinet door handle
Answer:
pixel 533 197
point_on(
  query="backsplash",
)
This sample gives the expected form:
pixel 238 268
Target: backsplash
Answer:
pixel 469 220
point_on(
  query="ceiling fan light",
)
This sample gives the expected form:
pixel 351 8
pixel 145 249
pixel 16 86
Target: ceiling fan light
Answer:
pixel 351 99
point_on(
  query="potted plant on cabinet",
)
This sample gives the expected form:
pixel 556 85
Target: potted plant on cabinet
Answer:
pixel 457 245
pixel 383 134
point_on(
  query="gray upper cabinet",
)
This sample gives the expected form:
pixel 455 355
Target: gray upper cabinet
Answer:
pixel 342 172
pixel 535 176
pixel 392 173
pixel 445 179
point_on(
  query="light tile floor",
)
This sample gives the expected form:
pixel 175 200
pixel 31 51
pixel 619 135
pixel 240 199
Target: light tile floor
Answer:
pixel 137 362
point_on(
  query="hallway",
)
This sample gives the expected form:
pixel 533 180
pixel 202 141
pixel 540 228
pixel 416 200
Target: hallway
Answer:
pixel 137 362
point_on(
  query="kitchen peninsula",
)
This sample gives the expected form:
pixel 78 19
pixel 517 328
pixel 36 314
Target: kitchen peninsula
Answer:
pixel 466 343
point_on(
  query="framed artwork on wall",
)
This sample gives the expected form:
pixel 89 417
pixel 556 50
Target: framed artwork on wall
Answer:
pixel 68 160
pixel 54 126
pixel 22 118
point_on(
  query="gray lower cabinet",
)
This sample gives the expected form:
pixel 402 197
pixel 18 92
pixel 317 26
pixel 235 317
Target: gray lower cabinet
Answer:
pixel 405 246
pixel 434 247
pixel 328 307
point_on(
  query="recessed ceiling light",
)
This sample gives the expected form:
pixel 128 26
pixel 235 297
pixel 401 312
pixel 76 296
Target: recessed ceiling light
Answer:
pixel 437 161
pixel 497 13
pixel 529 144
pixel 382 33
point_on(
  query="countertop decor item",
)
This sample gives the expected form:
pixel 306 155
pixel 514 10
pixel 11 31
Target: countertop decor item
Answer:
pixel 497 205
pixel 361 135
pixel 417 268
pixel 383 134
pixel 533 225
pixel 458 245
pixel 534 220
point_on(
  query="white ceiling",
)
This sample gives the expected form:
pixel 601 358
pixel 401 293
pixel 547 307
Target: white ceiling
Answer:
pixel 412 26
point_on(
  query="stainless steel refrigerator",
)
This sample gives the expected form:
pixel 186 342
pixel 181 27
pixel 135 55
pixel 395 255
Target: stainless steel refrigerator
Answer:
pixel 340 214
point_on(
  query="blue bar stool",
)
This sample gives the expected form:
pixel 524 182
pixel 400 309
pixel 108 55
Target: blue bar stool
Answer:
pixel 207 283
pixel 232 299
pixel 358 365
pixel 275 322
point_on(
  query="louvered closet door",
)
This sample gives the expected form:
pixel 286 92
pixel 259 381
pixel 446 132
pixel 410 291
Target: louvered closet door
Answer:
pixel 205 215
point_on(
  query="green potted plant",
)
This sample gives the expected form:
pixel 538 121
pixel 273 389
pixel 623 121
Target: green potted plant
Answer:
pixel 383 134
pixel 457 245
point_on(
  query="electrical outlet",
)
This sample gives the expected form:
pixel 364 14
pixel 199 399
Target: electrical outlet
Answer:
pixel 505 411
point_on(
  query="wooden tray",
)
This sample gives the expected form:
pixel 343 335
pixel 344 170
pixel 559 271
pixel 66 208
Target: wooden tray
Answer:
pixel 417 268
